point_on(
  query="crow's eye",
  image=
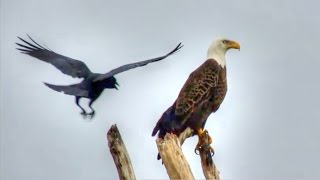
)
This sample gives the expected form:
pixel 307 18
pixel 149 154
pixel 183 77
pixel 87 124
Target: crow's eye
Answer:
pixel 225 41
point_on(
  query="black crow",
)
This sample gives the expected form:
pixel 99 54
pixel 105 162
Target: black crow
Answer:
pixel 92 84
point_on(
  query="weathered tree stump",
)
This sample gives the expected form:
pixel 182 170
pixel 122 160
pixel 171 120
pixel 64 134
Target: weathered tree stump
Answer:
pixel 171 153
pixel 120 154
pixel 173 159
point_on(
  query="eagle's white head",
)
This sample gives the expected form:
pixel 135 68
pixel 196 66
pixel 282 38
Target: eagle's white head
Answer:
pixel 218 49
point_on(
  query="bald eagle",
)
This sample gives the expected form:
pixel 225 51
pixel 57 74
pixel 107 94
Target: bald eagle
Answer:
pixel 201 95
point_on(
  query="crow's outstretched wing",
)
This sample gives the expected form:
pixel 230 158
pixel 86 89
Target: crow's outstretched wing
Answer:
pixel 66 65
pixel 127 67
pixel 73 89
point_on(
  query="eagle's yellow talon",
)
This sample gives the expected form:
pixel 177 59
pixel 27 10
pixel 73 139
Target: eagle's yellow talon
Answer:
pixel 204 141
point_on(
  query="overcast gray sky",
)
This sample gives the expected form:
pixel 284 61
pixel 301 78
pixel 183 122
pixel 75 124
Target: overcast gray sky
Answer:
pixel 268 125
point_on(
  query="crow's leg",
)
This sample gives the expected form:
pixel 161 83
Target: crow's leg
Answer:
pixel 92 110
pixel 83 113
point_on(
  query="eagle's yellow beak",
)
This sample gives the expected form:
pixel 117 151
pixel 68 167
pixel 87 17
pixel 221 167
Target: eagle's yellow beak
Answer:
pixel 234 45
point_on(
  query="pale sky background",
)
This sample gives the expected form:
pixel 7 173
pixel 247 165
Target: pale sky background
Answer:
pixel 268 125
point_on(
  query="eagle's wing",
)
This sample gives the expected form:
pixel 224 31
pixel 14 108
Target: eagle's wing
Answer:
pixel 197 89
pixel 66 65
pixel 127 67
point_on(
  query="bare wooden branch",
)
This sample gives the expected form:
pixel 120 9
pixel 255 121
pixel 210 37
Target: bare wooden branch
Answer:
pixel 209 169
pixel 173 159
pixel 188 132
pixel 171 153
pixel 120 155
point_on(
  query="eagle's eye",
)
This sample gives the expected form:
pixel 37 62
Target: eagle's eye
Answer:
pixel 225 41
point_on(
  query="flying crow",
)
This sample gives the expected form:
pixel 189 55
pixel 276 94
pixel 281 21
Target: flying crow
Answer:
pixel 92 84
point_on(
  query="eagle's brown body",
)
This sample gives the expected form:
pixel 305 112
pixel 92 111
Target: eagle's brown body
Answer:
pixel 203 92
pixel 201 95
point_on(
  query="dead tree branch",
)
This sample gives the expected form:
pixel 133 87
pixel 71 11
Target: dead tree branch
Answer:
pixel 173 158
pixel 208 167
pixel 120 155
pixel 171 153
pixel 174 152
